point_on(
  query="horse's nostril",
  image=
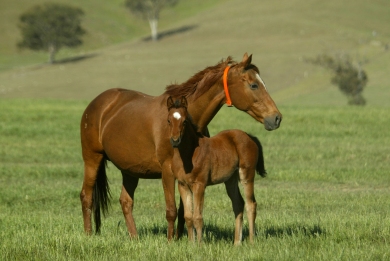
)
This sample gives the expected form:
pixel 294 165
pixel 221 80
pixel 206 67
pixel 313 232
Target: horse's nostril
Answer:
pixel 278 119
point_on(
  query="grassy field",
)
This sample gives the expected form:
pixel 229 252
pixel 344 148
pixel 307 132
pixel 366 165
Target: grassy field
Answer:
pixel 326 197
pixel 327 194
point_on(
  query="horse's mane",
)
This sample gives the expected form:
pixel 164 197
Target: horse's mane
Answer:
pixel 199 83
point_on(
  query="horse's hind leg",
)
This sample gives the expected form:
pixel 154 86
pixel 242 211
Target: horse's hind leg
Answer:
pixel 238 206
pixel 91 167
pixel 127 202
pixel 248 183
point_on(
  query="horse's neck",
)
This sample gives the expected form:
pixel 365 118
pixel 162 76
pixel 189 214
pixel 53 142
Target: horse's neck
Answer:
pixel 204 108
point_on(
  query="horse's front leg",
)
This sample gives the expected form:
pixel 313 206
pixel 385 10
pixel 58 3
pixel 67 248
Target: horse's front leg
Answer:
pixel 238 206
pixel 198 189
pixel 168 181
pixel 127 202
pixel 186 197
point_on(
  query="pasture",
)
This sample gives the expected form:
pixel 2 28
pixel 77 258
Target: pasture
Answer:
pixel 326 196
pixel 327 193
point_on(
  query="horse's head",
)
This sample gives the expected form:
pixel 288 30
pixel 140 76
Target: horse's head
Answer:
pixel 177 116
pixel 248 93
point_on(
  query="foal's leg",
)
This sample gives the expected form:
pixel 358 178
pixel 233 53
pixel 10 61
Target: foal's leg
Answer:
pixel 180 220
pixel 198 191
pixel 247 180
pixel 127 202
pixel 168 182
pixel 91 166
pixel 238 206
pixel 186 197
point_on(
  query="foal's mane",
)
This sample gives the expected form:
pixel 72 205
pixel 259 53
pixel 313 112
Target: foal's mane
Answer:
pixel 200 82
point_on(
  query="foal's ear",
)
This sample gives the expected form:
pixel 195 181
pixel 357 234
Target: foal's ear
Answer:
pixel 183 102
pixel 170 102
pixel 246 60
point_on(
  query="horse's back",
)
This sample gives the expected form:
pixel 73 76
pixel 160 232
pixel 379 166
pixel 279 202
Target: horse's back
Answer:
pixel 237 146
pixel 99 109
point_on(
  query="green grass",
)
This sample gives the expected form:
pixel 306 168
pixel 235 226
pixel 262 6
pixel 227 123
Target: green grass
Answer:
pixel 326 196
pixel 327 193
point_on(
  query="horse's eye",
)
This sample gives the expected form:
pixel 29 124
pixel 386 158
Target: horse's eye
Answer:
pixel 169 121
pixel 254 86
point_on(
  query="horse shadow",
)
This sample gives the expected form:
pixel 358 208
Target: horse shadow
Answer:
pixel 211 232
pixel 171 32
pixel 308 231
pixel 215 233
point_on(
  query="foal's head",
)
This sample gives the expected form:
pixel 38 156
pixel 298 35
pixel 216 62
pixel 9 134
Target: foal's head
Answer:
pixel 177 116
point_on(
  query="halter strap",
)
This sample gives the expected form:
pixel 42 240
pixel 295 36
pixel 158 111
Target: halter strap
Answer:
pixel 225 86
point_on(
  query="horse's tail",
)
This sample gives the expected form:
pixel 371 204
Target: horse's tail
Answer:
pixel 260 169
pixel 101 195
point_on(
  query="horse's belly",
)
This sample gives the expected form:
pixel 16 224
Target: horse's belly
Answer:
pixel 137 158
pixel 220 176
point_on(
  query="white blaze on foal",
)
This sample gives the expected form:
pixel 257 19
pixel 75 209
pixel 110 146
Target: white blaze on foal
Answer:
pixel 177 116
pixel 261 80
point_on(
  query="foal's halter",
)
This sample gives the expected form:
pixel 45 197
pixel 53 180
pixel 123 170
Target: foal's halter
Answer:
pixel 225 86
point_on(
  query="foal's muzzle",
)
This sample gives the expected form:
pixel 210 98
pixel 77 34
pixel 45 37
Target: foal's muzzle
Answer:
pixel 175 142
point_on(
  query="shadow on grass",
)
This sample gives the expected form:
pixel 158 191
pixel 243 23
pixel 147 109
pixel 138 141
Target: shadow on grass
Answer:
pixel 310 231
pixel 75 58
pixel 211 232
pixel 216 233
pixel 171 32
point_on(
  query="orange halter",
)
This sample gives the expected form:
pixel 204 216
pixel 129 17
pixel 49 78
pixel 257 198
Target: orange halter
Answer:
pixel 225 86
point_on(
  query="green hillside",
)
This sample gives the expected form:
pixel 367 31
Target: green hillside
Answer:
pixel 280 35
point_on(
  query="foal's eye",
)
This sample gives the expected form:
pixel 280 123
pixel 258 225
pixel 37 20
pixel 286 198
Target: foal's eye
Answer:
pixel 254 86
pixel 169 121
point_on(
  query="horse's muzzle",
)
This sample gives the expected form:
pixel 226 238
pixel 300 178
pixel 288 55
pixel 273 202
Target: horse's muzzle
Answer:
pixel 175 142
pixel 272 122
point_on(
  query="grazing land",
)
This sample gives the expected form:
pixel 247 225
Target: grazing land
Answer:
pixel 327 193
pixel 326 197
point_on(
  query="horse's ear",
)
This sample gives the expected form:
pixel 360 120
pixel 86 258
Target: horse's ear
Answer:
pixel 246 60
pixel 229 59
pixel 183 102
pixel 170 102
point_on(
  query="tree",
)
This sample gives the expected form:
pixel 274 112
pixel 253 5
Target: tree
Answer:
pixel 149 10
pixel 50 27
pixel 348 76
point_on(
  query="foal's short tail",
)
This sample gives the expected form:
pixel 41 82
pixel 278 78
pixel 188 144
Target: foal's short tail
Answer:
pixel 101 195
pixel 260 160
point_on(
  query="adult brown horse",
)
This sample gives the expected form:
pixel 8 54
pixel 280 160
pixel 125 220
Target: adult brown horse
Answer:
pixel 199 161
pixel 129 129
